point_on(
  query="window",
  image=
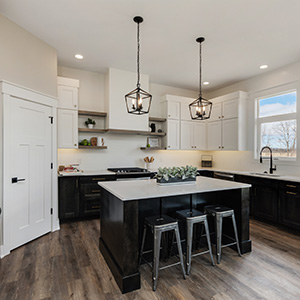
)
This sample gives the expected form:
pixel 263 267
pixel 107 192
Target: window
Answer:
pixel 277 124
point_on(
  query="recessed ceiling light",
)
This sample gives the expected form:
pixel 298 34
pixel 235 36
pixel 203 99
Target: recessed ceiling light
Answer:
pixel 206 83
pixel 263 67
pixel 79 56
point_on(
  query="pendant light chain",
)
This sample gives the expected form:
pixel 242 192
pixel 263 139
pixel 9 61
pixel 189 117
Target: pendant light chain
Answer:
pixel 200 70
pixel 138 55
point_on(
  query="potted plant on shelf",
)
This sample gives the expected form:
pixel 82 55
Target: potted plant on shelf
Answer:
pixel 176 175
pixel 90 123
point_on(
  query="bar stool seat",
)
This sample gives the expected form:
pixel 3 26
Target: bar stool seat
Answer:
pixel 158 225
pixel 219 212
pixel 193 217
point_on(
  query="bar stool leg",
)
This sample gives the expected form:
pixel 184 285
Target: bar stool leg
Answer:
pixel 189 245
pixel 236 234
pixel 208 241
pixel 143 243
pixel 219 220
pixel 155 266
pixel 179 250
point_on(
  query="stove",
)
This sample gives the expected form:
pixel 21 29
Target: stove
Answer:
pixel 131 173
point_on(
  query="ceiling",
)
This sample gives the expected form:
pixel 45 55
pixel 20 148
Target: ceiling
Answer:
pixel 240 36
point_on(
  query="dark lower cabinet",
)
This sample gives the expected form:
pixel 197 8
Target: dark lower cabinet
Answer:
pixel 289 204
pixel 263 197
pixel 80 196
pixel 265 202
pixel 68 197
pixel 90 194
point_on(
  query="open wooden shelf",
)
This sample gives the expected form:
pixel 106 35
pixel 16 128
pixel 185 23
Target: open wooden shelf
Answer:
pixel 95 130
pixel 92 147
pixel 91 113
pixel 153 148
pixel 121 131
pixel 155 119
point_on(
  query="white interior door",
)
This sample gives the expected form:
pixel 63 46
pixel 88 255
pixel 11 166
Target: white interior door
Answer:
pixel 29 162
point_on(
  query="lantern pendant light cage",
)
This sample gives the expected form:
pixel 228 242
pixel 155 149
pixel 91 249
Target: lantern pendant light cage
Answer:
pixel 138 101
pixel 200 109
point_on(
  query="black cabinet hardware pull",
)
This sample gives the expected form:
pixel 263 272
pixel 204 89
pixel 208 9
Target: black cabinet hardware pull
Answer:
pixel 95 206
pixel 291 186
pixel 291 193
pixel 96 191
pixel 16 179
pixel 98 179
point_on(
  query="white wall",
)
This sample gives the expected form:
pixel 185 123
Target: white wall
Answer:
pixel 244 161
pixel 26 60
pixel 123 150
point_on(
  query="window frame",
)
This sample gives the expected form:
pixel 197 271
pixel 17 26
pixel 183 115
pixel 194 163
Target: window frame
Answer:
pixel 258 121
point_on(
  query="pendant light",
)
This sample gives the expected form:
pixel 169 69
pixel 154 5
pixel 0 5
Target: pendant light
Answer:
pixel 200 109
pixel 138 101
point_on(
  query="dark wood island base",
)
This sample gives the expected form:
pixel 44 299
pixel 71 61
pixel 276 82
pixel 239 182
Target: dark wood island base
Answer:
pixel 122 226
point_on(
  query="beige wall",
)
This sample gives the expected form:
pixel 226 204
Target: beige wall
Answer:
pixel 26 60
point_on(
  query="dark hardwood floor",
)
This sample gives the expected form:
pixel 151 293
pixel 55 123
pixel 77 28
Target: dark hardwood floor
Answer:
pixel 67 264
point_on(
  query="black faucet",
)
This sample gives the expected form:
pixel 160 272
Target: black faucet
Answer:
pixel 271 159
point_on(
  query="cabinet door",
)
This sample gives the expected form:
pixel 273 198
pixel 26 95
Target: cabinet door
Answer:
pixel 186 135
pixel 173 135
pixel 230 109
pixel 67 96
pixel 185 109
pixel 214 135
pixel 199 135
pixel 173 110
pixel 67 128
pixel 230 134
pixel 216 111
pixel 68 197
pixel 265 203
pixel 289 208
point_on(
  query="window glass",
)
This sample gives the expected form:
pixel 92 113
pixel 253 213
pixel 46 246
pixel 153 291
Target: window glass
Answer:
pixel 281 137
pixel 277 105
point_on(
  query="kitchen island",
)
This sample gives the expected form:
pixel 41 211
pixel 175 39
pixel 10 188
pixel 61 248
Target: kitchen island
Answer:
pixel 125 205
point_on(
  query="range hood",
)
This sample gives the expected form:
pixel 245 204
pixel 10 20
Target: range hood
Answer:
pixel 117 85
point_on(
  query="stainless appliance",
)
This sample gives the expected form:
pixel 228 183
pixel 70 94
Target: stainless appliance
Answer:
pixel 224 176
pixel 132 173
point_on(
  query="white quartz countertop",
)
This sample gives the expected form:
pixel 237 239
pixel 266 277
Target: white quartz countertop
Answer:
pixel 86 173
pixel 145 189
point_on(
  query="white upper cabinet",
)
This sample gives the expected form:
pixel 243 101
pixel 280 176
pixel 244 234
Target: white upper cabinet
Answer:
pixel 67 113
pixel 193 135
pixel 226 129
pixel 67 133
pixel 172 140
pixel 67 92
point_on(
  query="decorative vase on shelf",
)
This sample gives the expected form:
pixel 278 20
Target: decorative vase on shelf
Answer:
pixel 90 126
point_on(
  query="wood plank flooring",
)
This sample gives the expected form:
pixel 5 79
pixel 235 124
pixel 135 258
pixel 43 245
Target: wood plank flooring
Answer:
pixel 67 264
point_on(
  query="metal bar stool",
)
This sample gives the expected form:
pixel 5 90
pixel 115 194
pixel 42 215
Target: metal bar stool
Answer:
pixel 158 225
pixel 219 212
pixel 193 217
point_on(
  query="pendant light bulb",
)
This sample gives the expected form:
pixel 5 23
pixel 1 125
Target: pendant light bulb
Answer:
pixel 140 99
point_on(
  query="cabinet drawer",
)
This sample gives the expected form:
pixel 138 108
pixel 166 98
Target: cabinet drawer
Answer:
pixel 90 188
pixel 91 207
pixel 290 186
pixel 95 179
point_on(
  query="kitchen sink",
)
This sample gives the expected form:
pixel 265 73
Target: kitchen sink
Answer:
pixel 265 174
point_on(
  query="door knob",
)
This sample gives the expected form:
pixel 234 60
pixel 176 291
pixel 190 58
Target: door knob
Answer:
pixel 16 179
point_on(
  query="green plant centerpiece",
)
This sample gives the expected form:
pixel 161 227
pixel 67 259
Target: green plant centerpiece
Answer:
pixel 90 123
pixel 185 174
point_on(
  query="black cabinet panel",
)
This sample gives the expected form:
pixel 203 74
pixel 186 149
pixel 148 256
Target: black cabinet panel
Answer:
pixel 68 197
pixel 80 196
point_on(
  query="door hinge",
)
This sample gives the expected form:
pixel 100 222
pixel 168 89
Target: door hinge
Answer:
pixel 51 119
pixel 51 165
pixel 51 211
